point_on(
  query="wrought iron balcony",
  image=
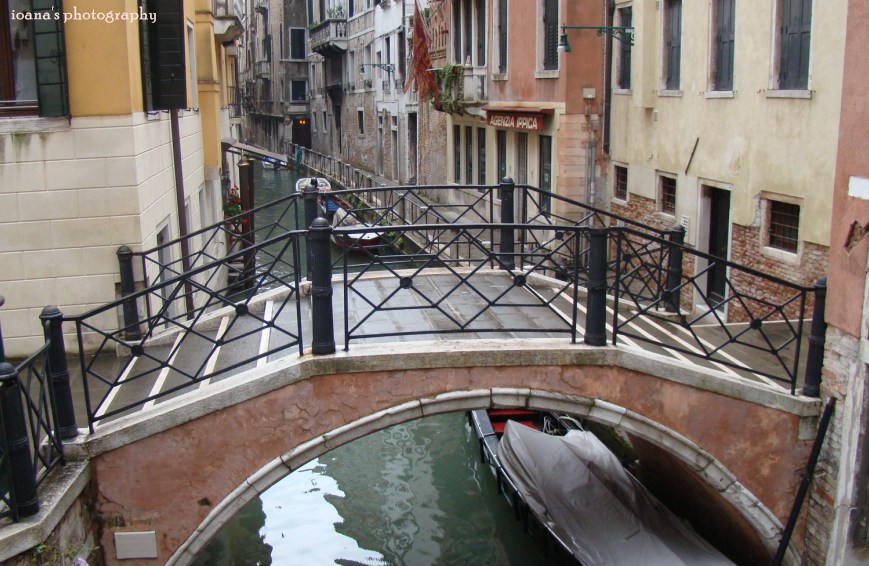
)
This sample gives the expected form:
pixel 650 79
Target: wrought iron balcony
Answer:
pixel 329 37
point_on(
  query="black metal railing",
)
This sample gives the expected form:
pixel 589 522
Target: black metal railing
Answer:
pixel 35 418
pixel 582 266
pixel 174 348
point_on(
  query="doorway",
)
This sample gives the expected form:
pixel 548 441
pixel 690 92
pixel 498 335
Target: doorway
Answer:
pixel 719 243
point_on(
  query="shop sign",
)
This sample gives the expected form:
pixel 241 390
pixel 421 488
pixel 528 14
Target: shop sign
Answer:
pixel 530 122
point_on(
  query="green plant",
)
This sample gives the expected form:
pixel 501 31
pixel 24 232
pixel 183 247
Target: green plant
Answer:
pixel 449 79
pixel 232 206
pixel 50 555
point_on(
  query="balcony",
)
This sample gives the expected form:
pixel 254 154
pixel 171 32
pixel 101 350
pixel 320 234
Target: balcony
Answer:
pixel 461 87
pixel 263 68
pixel 227 22
pixel 329 37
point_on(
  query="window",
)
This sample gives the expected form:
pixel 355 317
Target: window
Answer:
pixel 624 73
pixel 481 156
pixel 501 138
pixel 620 182
pixel 672 44
pixel 297 43
pixel 521 158
pixel 298 90
pixel 469 155
pixel 360 119
pixel 545 172
pixel 784 224
pixel 502 36
pixel 457 154
pixel 32 65
pixel 480 7
pixel 667 195
pixel 724 20
pixel 550 35
pixel 795 29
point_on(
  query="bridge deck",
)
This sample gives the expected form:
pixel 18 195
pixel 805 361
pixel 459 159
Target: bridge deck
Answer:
pixel 436 306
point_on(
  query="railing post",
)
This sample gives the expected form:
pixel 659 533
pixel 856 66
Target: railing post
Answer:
pixel 323 341
pixel 595 318
pixel 247 192
pixel 506 188
pixel 815 359
pixel 128 287
pixel 673 294
pixel 58 374
pixel 309 195
pixel 21 469
pixel 2 351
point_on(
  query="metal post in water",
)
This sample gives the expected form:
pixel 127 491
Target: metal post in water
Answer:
pixel 595 318
pixel 319 233
pixel 506 188
pixel 58 374
pixel 21 471
pixel 815 359
pixel 248 237
pixel 673 294
pixel 309 195
pixel 128 287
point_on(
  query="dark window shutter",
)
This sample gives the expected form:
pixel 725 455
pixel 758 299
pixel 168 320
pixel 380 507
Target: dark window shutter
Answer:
pixel 550 34
pixel 457 32
pixel 725 42
pixel 164 71
pixel 502 35
pixel 626 20
pixel 674 43
pixel 49 50
pixel 481 32
pixel 796 30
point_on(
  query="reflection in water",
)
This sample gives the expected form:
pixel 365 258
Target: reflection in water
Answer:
pixel 413 494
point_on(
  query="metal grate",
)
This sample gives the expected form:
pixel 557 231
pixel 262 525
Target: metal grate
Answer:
pixel 668 195
pixel 620 186
pixel 784 223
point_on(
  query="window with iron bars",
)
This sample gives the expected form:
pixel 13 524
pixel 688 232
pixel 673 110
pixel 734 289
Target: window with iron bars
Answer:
pixel 784 225
pixel 620 182
pixel 667 195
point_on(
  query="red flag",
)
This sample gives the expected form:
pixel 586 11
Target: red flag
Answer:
pixel 421 72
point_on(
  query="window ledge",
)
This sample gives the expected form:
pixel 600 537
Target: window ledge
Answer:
pixel 667 216
pixel 804 94
pixel 784 256
pixel 546 74
pixel 719 94
pixel 499 77
pixel 622 91
pixel 670 93
pixel 620 201
pixel 32 124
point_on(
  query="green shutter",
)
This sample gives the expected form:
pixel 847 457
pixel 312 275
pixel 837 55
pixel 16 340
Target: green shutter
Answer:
pixel 50 53
pixel 164 69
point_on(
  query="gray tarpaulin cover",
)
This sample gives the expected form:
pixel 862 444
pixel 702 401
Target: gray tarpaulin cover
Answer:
pixel 588 499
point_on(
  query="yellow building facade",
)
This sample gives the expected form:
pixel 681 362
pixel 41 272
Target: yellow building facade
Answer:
pixel 86 160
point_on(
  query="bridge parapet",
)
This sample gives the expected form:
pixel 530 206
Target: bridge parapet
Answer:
pixel 285 413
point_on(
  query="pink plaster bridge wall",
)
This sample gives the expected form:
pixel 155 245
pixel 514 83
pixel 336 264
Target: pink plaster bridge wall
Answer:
pixel 185 467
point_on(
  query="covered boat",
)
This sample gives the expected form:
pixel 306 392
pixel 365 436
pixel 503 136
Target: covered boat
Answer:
pixel 578 491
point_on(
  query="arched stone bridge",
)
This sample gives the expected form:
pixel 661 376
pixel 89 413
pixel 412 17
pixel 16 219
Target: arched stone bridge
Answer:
pixel 185 466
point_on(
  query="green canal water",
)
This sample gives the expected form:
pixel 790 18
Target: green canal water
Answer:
pixel 413 494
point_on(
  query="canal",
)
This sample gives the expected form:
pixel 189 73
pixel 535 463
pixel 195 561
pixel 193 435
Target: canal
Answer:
pixel 413 494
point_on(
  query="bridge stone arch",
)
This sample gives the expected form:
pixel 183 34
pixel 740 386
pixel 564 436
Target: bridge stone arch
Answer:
pixel 187 466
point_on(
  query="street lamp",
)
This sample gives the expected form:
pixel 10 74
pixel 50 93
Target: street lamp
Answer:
pixel 621 33
pixel 388 67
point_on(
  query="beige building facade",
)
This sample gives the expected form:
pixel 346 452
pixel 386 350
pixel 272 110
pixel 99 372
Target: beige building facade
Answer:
pixel 725 121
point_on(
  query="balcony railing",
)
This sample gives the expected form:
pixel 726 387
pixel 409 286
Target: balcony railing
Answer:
pixel 263 68
pixel 329 37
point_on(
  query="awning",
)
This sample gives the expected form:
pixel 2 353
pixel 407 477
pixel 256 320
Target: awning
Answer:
pixel 254 152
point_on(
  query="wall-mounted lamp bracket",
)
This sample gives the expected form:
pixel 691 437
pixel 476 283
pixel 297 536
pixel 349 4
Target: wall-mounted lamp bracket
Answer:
pixel 624 34
pixel 388 67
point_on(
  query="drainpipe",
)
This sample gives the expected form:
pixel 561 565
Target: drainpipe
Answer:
pixel 179 201
pixel 607 78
